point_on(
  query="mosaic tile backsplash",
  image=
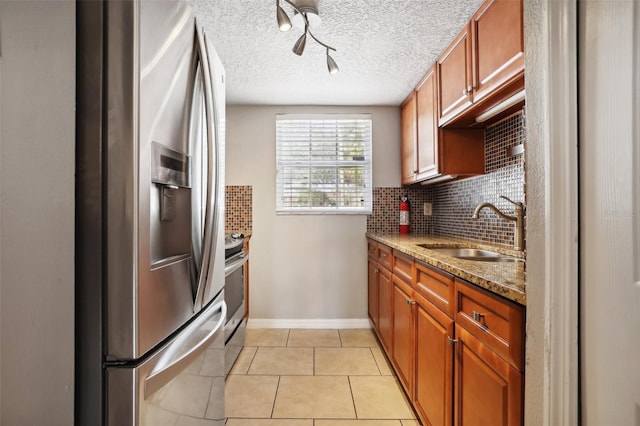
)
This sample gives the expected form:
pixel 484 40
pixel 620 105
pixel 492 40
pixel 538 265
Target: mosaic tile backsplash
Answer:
pixel 385 215
pixel 454 202
pixel 239 209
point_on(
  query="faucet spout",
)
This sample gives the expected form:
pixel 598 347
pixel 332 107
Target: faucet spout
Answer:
pixel 495 209
pixel 518 218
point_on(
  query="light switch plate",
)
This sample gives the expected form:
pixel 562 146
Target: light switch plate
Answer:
pixel 427 209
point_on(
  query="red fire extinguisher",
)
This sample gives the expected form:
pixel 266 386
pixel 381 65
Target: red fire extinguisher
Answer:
pixel 404 214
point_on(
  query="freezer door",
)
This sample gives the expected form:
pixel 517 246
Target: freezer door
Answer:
pixel 181 384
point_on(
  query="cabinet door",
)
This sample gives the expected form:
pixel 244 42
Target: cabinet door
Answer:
pixel 433 397
pixel 384 307
pixel 403 334
pixel 373 292
pixel 408 140
pixel 427 144
pixel 454 77
pixel 498 45
pixel 488 391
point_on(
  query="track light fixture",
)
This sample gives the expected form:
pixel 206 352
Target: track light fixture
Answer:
pixel 284 24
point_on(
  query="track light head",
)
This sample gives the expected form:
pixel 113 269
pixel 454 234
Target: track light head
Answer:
pixel 298 48
pixel 331 64
pixel 284 23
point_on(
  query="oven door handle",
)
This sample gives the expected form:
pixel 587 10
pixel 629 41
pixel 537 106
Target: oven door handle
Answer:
pixel 235 265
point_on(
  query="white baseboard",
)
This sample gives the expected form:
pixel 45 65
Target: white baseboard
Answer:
pixel 309 323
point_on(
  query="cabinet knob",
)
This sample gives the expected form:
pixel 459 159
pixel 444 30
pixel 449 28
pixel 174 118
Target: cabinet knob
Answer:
pixel 410 302
pixel 478 316
pixel 469 88
pixel 464 92
pixel 452 341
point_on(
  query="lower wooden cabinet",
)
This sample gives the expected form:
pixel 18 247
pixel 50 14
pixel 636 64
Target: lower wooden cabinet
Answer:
pixel 380 291
pixel 457 349
pixel 488 390
pixel 489 358
pixel 403 348
pixel 372 286
pixel 433 391
pixel 385 292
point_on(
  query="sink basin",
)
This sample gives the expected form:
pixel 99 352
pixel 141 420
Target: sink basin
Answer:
pixel 471 254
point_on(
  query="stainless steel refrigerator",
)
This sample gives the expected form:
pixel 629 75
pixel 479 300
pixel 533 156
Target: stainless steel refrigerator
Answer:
pixel 150 307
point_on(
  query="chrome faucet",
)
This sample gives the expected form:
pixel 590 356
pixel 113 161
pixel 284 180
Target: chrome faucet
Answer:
pixel 518 218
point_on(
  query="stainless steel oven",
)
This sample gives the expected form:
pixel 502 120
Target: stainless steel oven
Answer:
pixel 234 291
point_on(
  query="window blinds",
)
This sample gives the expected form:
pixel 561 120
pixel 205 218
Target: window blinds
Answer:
pixel 323 163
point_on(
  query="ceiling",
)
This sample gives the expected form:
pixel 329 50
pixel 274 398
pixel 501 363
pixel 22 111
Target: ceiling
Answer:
pixel 383 49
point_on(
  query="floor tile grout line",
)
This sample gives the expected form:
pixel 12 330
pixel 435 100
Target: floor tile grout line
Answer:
pixel 275 397
pixel 252 359
pixel 353 399
pixel 375 361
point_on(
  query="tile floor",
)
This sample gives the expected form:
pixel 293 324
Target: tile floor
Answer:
pixel 314 378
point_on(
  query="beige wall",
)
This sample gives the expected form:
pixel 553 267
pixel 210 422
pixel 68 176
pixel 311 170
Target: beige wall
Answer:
pixel 309 269
pixel 37 143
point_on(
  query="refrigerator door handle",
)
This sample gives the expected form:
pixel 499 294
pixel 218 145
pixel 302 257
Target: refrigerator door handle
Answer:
pixel 170 364
pixel 208 245
pixel 216 148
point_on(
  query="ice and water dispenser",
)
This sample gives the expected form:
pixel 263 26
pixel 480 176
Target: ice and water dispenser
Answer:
pixel 170 206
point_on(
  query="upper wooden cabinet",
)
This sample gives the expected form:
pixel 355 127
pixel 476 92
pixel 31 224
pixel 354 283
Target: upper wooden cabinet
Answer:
pixel 420 132
pixel 455 81
pixel 483 65
pixel 429 151
pixel 427 143
pixel 497 41
pixel 408 145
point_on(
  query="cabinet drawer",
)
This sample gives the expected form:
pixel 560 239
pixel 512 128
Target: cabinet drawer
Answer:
pixel 384 256
pixel 497 322
pixel 372 249
pixel 436 286
pixel 403 267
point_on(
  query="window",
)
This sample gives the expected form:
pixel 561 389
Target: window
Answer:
pixel 323 163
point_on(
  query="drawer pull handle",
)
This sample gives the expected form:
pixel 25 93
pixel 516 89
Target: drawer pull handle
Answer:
pixel 478 316
pixel 410 302
pixel 452 341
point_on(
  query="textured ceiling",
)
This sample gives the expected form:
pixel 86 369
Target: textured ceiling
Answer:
pixel 383 49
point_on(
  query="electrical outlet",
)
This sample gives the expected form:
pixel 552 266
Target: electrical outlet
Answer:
pixel 427 209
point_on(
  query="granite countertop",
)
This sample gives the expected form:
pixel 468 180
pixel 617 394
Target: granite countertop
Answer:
pixel 506 279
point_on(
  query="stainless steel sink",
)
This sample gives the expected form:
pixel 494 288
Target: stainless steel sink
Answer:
pixel 471 254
